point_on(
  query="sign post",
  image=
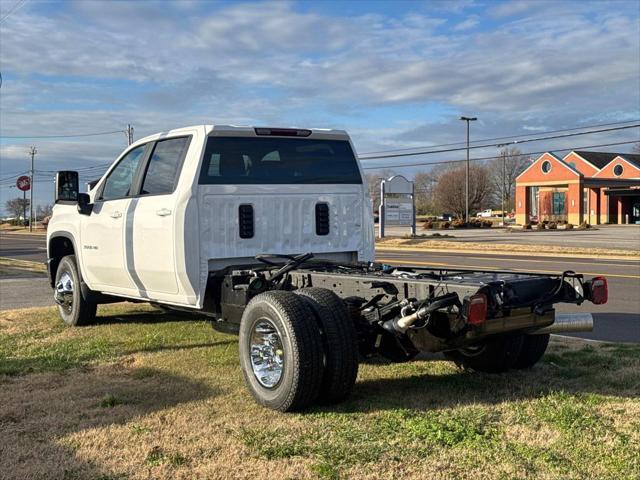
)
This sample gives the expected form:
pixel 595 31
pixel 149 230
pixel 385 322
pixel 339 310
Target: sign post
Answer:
pixel 397 206
pixel 24 184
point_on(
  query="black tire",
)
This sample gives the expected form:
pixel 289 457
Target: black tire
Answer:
pixel 495 355
pixel 397 350
pixel 301 377
pixel 78 311
pixel 533 348
pixel 340 343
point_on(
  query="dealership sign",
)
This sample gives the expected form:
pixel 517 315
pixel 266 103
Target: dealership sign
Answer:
pixel 398 204
pixel 23 183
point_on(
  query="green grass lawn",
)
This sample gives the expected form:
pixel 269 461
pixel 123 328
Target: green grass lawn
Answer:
pixel 144 394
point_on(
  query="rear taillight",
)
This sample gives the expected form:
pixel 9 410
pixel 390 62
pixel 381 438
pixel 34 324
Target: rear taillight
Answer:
pixel 477 309
pixel 599 290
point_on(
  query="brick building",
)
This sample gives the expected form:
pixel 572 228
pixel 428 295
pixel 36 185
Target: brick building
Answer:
pixel 595 187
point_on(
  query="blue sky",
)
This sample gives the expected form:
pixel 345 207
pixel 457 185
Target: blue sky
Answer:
pixel 394 74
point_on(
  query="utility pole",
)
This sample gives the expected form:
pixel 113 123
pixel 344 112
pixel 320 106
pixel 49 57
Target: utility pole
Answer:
pixel 504 182
pixel 466 183
pixel 32 152
pixel 129 134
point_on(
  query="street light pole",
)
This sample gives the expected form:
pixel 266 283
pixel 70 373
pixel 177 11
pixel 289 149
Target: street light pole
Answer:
pixel 466 183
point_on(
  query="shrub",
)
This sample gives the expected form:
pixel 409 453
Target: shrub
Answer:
pixel 458 223
pixel 487 223
pixel 428 225
pixel 584 226
pixel 445 225
pixel 552 226
pixel 526 226
pixel 568 226
pixel 540 226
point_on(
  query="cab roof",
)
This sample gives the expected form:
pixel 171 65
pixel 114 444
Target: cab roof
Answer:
pixel 255 131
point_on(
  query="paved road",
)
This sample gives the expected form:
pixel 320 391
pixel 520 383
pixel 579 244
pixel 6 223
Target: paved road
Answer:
pixel 618 320
pixel 23 246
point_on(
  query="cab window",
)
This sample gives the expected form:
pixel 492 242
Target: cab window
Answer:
pixel 164 166
pixel 118 183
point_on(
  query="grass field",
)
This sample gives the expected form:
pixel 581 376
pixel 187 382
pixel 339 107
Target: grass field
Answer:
pixel 145 395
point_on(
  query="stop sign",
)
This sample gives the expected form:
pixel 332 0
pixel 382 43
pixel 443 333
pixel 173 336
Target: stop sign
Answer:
pixel 23 183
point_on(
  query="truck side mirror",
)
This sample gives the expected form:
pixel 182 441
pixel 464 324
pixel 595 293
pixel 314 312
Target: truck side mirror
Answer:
pixel 85 206
pixel 66 187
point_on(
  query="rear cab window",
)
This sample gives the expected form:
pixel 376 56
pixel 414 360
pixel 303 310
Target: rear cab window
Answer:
pixel 255 160
pixel 163 168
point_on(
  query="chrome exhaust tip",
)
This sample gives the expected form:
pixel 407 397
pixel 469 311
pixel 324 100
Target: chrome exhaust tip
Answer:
pixel 568 323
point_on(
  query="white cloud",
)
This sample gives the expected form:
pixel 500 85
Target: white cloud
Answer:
pixel 471 22
pixel 94 66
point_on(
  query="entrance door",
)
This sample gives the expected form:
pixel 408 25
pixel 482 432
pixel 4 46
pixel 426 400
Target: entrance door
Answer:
pixel 151 220
pixel 102 232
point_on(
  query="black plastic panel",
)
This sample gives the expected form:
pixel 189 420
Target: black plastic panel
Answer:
pixel 322 219
pixel 245 221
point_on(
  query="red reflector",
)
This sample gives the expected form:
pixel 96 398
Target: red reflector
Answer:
pixel 599 290
pixel 283 132
pixel 477 312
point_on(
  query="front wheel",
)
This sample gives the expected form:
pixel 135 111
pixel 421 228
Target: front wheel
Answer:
pixel 281 351
pixel 73 308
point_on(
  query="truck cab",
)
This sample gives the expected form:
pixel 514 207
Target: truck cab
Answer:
pixel 179 204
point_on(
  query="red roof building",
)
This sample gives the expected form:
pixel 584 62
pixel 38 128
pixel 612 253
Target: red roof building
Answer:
pixel 594 187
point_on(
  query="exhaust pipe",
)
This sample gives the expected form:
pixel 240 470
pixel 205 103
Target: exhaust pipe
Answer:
pixel 568 323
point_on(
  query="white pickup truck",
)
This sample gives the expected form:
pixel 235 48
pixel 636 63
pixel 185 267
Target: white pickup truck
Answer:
pixel 268 232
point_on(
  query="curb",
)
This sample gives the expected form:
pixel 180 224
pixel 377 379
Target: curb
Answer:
pixel 566 340
pixel 509 252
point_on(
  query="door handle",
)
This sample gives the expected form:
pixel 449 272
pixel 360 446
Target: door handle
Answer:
pixel 116 214
pixel 163 212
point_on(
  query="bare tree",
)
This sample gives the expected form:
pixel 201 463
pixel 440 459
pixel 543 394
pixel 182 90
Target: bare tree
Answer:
pixel 504 171
pixel 424 183
pixel 450 191
pixel 17 206
pixel 373 183
pixel 43 211
pixel 636 148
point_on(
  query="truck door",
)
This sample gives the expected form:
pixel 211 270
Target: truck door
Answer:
pixel 102 232
pixel 150 223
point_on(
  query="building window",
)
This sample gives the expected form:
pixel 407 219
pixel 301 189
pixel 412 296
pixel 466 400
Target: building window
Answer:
pixel 546 166
pixel 558 203
pixel 617 170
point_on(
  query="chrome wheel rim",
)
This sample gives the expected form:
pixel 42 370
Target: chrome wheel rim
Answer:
pixel 473 350
pixel 266 353
pixel 64 292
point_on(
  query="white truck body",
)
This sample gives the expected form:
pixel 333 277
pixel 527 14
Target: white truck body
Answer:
pixel 161 247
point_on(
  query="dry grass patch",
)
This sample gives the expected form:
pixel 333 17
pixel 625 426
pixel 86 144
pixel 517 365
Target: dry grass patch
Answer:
pixel 146 395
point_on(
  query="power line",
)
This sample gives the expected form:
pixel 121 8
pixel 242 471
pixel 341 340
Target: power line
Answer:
pixel 64 136
pixel 13 176
pixel 443 162
pixel 502 138
pixel 515 142
pixel 15 7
